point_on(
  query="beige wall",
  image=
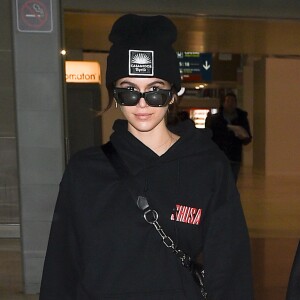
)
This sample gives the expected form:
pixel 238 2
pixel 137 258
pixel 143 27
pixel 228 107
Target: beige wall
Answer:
pixel 276 115
pixel 247 92
pixel 259 118
pixel 282 115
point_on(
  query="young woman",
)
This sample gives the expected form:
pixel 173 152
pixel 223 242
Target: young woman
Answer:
pixel 101 246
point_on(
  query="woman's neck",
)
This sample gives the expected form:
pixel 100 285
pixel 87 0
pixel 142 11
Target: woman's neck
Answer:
pixel 159 140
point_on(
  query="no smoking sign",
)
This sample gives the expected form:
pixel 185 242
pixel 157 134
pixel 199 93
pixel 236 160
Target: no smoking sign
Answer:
pixel 34 15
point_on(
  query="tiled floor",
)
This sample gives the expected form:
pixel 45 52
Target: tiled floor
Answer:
pixel 272 209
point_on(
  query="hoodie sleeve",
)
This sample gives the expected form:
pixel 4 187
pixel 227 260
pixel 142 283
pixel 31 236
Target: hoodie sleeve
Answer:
pixel 60 272
pixel 227 249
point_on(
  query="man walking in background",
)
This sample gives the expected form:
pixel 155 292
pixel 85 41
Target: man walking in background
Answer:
pixel 231 130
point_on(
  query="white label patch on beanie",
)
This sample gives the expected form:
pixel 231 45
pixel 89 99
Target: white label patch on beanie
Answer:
pixel 141 62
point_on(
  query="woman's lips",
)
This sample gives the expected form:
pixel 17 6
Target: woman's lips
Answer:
pixel 143 116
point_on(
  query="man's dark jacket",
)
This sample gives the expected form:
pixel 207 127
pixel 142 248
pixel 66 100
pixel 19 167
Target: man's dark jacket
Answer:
pixel 225 138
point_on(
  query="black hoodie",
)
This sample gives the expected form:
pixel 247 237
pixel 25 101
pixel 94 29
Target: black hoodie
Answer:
pixel 100 246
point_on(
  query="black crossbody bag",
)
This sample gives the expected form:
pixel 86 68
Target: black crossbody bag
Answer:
pixel 151 217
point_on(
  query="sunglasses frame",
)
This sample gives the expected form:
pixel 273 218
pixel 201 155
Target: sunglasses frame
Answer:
pixel 167 93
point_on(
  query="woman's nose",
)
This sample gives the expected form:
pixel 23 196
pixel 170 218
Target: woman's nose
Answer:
pixel 142 102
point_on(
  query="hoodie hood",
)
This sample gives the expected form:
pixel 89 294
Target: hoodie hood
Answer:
pixel 193 141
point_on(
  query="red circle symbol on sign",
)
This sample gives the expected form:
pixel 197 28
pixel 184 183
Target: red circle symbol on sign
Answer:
pixel 34 14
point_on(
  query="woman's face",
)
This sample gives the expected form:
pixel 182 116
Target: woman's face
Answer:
pixel 142 117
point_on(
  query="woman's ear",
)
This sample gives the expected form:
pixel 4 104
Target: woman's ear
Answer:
pixel 172 101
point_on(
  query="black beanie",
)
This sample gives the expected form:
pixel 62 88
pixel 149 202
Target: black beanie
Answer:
pixel 142 47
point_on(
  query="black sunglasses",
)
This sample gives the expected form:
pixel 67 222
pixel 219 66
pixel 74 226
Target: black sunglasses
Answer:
pixel 130 97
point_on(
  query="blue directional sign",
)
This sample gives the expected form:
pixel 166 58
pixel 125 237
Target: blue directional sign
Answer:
pixel 195 66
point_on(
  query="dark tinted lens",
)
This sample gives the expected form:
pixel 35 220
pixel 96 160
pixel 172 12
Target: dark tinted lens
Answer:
pixel 158 98
pixel 131 98
pixel 127 97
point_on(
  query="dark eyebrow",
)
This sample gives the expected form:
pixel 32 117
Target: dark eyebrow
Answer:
pixel 127 82
pixel 130 83
pixel 156 82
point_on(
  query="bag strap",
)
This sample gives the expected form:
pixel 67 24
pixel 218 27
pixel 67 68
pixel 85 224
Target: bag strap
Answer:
pixel 114 158
pixel 151 215
pixel 121 169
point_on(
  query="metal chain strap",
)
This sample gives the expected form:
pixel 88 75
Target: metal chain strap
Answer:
pixel 151 217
